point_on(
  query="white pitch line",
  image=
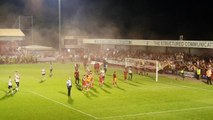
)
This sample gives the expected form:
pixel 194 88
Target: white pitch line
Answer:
pixel 67 106
pixel 171 85
pixel 132 115
pixel 168 111
pixel 157 112
pixel 184 86
pixel 121 116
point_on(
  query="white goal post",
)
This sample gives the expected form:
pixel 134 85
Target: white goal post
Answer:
pixel 143 64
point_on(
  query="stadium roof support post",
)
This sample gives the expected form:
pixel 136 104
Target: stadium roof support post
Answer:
pixel 19 22
pixel 189 51
pixel 156 77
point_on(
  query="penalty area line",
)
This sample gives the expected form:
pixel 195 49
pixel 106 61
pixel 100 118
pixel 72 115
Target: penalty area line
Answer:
pixel 67 106
pixel 157 112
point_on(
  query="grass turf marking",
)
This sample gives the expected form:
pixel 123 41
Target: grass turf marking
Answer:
pixel 132 115
pixel 120 116
pixel 67 106
pixel 157 112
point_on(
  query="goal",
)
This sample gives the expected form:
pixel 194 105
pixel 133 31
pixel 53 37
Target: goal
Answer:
pixel 142 65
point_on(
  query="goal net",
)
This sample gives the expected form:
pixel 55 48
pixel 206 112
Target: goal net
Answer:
pixel 141 66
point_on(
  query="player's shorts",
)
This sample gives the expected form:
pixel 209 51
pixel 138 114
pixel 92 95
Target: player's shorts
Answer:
pixel 83 83
pixel 17 83
pixel 101 81
pixel 9 87
pixel 87 83
pixel 43 74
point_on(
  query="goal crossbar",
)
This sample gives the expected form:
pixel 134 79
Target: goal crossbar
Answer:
pixel 142 63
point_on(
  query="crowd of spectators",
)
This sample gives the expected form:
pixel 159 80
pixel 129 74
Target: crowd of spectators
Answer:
pixel 177 61
pixel 7 59
pixel 17 58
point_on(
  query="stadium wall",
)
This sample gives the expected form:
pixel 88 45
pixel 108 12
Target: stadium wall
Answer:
pixel 199 48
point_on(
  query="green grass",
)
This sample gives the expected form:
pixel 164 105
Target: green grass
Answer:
pixel 141 98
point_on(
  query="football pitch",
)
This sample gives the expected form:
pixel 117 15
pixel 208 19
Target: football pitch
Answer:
pixel 139 99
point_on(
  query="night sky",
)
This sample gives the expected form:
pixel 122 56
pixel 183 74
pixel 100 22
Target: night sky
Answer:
pixel 138 19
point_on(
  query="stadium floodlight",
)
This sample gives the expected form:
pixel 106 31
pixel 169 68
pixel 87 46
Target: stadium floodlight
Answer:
pixel 59 25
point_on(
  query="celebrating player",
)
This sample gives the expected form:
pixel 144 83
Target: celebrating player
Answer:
pixel 101 78
pixel 76 66
pixel 76 74
pixel 84 82
pixel 10 85
pixel 43 73
pixel 105 66
pixel 51 69
pixel 91 80
pixel 17 79
pixel 130 73
pixel 96 67
pixel 114 82
pixel 125 73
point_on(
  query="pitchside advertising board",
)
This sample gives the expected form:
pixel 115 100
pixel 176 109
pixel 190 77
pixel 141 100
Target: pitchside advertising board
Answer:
pixel 160 43
pixel 191 44
pixel 72 42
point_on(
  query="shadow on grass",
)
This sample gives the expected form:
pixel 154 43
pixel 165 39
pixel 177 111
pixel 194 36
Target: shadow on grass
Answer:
pixel 106 91
pixel 121 88
pixel 42 81
pixel 107 85
pixel 3 90
pixel 205 81
pixel 130 83
pixel 92 94
pixel 70 100
pixel 151 77
pixel 136 82
pixel 64 93
pixel 133 84
pixel 87 95
pixel 8 94
pixel 94 89
pixel 78 87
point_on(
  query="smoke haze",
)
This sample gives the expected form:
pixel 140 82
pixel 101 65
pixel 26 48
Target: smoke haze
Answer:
pixel 134 19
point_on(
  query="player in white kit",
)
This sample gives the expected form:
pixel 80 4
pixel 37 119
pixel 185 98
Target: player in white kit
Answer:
pixel 17 79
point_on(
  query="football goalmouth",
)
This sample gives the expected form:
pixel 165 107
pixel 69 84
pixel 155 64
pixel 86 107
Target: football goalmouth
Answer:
pixel 142 65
